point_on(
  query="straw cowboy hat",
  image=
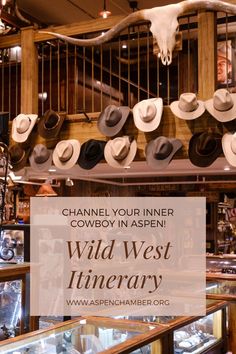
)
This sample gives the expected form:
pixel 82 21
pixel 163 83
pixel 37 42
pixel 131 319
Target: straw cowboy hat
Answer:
pixel 40 158
pixel 22 126
pixel 147 114
pixel 120 152
pixel 18 157
pixel 204 148
pixel 229 148
pixel 50 124
pixel 66 154
pixel 91 153
pixel 188 107
pixel 160 151
pixel 112 119
pixel 222 106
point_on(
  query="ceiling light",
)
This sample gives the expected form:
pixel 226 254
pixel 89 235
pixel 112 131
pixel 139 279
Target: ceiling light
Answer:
pixel 52 170
pixel 124 46
pixel 3 2
pixel 69 182
pixel 104 13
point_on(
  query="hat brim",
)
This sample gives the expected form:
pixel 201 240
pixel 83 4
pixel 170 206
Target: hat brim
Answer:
pixel 112 131
pixel 157 163
pixel 203 160
pixel 226 146
pixel 222 116
pixel 120 163
pixel 41 166
pixel 154 123
pixel 18 137
pixel 174 106
pixel 72 161
pixel 86 164
pixel 49 133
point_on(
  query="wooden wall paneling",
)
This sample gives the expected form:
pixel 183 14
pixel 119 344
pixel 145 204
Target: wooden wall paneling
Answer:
pixel 206 54
pixel 29 72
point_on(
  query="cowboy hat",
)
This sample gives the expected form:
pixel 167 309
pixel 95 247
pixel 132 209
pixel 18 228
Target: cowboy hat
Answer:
pixel 18 157
pixel 222 106
pixel 204 148
pixel 160 151
pixel 112 119
pixel 40 158
pixel 120 151
pixel 22 126
pixel 66 154
pixel 229 148
pixel 50 124
pixel 188 107
pixel 92 151
pixel 147 114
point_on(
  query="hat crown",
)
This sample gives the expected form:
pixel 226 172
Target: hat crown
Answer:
pixel 222 100
pixel 162 148
pixel 51 120
pixel 188 102
pixel 233 144
pixel 92 149
pixel 147 111
pixel 16 153
pixel 120 147
pixel 40 153
pixel 22 124
pixel 113 116
pixel 64 150
pixel 206 144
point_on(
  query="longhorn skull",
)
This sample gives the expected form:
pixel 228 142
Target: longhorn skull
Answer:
pixel 164 24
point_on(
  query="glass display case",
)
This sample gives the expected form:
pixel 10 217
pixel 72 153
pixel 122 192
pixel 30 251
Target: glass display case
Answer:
pixel 14 307
pixel 90 335
pixel 225 264
pixel 204 335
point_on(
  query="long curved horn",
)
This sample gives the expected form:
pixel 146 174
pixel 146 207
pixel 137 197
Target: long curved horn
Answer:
pixel 132 18
pixel 214 5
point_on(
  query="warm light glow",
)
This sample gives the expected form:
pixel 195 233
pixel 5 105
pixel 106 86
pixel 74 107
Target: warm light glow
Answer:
pixel 4 2
pixel 104 13
pixel 124 46
pixel 226 168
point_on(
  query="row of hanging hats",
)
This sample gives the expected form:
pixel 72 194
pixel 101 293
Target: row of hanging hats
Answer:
pixel 203 150
pixel 146 115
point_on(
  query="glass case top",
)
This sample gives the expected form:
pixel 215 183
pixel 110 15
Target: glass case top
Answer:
pixel 82 336
pixel 221 287
pixel 221 264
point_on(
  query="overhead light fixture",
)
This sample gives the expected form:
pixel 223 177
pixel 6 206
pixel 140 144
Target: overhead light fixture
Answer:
pixel 104 13
pixel 3 2
pixel 69 182
pixel 46 190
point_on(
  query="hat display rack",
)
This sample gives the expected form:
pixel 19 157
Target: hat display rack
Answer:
pixel 120 146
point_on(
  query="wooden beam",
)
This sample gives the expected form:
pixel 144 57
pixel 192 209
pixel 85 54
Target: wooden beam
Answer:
pixel 29 72
pixel 206 54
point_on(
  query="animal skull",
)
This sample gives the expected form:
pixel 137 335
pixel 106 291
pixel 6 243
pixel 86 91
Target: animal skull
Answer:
pixel 164 24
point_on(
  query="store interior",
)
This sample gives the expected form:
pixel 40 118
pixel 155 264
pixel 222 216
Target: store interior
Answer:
pixel 44 78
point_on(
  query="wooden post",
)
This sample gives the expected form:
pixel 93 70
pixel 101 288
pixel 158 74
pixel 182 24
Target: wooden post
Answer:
pixel 206 54
pixel 29 72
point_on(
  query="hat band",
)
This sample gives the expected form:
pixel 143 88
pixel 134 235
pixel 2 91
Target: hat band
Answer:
pixel 224 107
pixel 40 159
pixel 66 158
pixel 200 152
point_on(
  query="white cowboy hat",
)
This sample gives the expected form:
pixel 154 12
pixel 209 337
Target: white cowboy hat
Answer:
pixel 160 151
pixel 188 107
pixel 120 151
pixel 66 154
pixel 147 114
pixel 22 126
pixel 222 106
pixel 229 148
pixel 40 158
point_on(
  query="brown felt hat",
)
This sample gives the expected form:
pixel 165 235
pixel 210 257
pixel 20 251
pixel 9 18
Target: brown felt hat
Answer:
pixel 18 157
pixel 112 119
pixel 50 124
